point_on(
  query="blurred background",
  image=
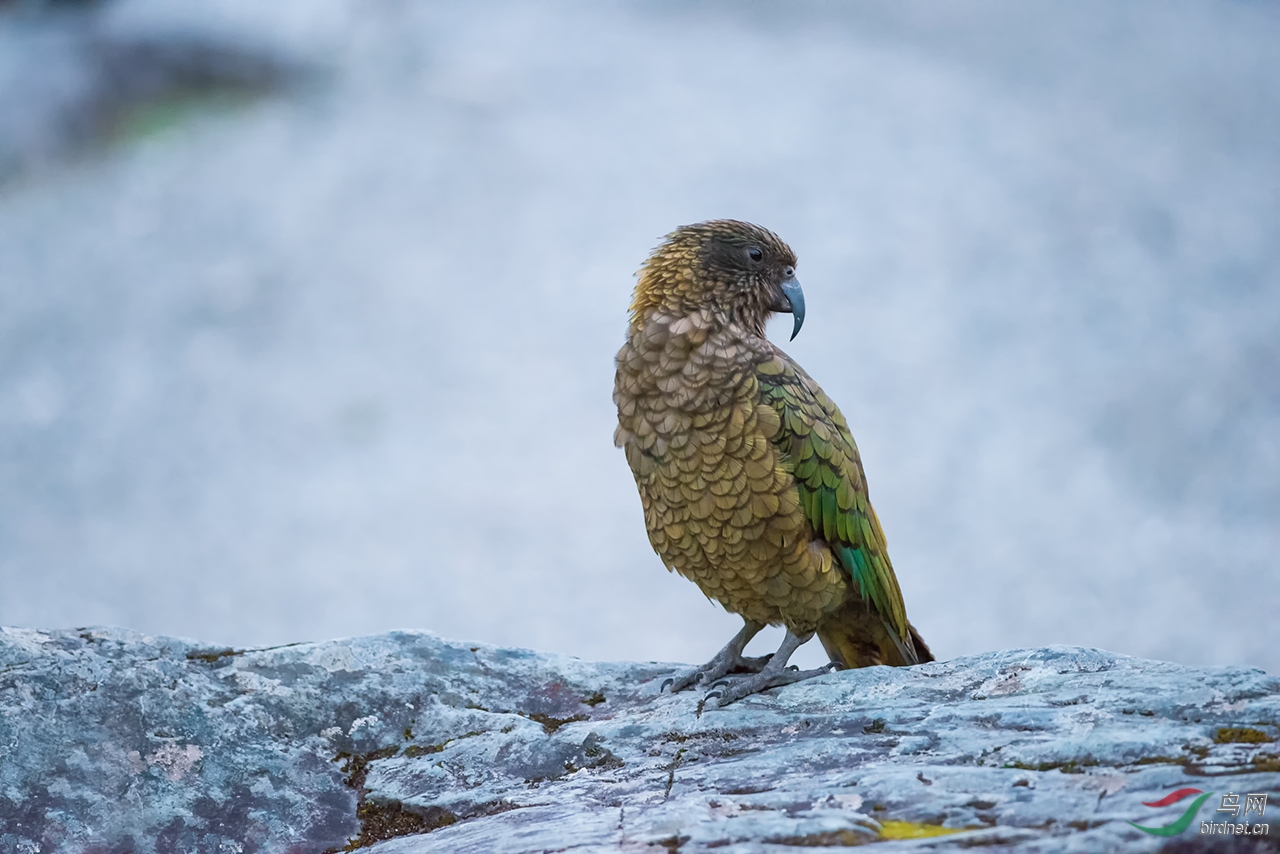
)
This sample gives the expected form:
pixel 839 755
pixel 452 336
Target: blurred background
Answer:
pixel 308 309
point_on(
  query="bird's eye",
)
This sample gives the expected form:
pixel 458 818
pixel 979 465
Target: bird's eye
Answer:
pixel 755 254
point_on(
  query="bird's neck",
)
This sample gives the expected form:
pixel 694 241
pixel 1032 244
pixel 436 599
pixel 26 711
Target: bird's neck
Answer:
pixel 712 337
pixel 660 328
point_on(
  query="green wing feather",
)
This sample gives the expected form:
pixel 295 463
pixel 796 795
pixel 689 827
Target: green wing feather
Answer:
pixel 829 476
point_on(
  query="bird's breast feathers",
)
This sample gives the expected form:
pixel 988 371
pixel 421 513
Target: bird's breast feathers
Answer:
pixel 720 500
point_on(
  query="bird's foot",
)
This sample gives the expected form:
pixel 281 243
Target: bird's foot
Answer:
pixel 774 674
pixel 728 660
pixel 720 666
pixel 764 680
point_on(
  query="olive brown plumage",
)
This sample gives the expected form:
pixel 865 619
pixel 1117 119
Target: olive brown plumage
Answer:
pixel 751 483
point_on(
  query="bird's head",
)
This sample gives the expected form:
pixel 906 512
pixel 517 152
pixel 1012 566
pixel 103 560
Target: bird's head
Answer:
pixel 735 267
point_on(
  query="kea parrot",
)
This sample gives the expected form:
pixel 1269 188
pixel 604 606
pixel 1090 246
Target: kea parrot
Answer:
pixel 751 483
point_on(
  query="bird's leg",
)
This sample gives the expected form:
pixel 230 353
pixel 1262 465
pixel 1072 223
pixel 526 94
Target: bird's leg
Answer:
pixel 727 660
pixel 773 674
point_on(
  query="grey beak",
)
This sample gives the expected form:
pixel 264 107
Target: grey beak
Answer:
pixel 794 296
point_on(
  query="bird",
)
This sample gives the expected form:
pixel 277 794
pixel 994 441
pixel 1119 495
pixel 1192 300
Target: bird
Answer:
pixel 750 481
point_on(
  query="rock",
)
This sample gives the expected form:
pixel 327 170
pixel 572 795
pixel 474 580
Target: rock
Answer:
pixel 112 741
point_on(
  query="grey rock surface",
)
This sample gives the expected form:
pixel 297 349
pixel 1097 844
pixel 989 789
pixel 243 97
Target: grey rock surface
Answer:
pixel 112 741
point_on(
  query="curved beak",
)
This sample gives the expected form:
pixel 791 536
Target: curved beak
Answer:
pixel 794 297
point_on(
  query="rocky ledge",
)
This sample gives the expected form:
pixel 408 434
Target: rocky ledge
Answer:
pixel 112 741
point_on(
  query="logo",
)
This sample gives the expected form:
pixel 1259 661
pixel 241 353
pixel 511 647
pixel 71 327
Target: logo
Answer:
pixel 1253 802
pixel 1183 821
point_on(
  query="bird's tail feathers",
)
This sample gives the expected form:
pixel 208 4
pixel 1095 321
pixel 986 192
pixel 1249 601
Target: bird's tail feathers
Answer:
pixel 922 651
pixel 856 636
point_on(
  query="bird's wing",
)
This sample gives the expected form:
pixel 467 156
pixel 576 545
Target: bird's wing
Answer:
pixel 833 491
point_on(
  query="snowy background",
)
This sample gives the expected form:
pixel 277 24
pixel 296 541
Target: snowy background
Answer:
pixel 308 313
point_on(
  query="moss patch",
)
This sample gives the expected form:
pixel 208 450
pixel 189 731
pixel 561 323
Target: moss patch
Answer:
pixel 1071 766
pixel 424 749
pixel 711 734
pixel 594 757
pixel 382 821
pixel 356 765
pixel 414 750
pixel 1162 760
pixel 1269 764
pixel 1241 735
pixel 550 724
pixel 213 656
pixel 911 830
pixel 827 839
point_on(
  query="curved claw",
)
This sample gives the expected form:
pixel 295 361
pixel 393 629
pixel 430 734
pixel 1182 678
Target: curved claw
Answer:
pixel 707 699
pixel 665 683
pixel 686 681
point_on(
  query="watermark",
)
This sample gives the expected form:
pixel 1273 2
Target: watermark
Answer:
pixel 1238 825
pixel 1253 803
